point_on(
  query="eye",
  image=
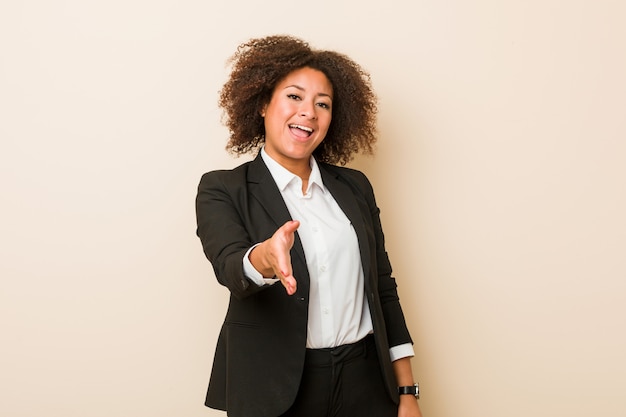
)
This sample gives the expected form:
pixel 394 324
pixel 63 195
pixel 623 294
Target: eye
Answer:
pixel 324 105
pixel 293 96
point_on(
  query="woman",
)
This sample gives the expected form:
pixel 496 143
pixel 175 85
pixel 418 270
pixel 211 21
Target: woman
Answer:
pixel 314 326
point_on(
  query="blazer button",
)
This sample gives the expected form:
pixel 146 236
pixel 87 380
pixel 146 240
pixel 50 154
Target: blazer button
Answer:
pixel 302 299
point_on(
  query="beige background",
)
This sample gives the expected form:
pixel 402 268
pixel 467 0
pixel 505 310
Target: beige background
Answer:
pixel 500 175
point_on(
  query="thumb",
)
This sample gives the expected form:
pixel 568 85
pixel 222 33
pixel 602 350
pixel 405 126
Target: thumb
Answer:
pixel 291 226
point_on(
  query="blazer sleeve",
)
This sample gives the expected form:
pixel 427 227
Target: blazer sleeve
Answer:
pixel 221 227
pixel 395 323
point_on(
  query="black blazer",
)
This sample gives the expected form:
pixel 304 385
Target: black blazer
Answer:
pixel 260 351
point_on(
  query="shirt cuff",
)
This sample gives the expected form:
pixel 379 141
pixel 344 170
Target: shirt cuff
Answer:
pixel 401 351
pixel 252 274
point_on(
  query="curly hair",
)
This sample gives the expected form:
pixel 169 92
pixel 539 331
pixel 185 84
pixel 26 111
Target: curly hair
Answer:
pixel 260 64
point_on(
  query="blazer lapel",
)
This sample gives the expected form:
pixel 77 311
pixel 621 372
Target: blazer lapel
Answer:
pixel 345 198
pixel 264 189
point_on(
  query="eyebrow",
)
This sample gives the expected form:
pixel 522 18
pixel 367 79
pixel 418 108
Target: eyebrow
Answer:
pixel 302 89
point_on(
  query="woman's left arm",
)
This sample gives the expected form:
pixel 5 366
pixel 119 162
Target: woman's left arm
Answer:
pixel 397 331
pixel 409 406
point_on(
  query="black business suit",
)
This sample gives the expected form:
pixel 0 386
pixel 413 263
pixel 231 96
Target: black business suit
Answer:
pixel 260 351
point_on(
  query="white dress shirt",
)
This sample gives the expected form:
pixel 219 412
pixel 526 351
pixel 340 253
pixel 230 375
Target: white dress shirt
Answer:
pixel 339 313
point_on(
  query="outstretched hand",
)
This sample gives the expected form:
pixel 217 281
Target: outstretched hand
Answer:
pixel 272 257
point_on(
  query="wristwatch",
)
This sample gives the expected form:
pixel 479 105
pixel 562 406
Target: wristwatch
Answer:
pixel 410 390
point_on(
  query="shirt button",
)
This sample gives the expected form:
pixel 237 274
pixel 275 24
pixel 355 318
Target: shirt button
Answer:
pixel 323 268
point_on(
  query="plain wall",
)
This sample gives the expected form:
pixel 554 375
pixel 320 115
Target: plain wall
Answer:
pixel 500 173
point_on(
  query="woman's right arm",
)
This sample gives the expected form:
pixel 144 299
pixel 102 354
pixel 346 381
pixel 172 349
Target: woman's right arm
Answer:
pixel 226 237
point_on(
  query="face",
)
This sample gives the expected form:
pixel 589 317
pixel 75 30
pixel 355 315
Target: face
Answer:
pixel 297 117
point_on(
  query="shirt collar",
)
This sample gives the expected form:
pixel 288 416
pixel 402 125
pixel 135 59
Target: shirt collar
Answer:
pixel 283 177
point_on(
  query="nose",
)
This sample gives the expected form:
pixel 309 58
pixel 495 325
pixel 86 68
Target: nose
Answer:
pixel 308 110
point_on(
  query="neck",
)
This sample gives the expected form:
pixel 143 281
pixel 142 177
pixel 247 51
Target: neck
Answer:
pixel 300 167
pixel 302 171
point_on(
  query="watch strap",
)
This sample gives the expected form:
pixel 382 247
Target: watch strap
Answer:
pixel 410 390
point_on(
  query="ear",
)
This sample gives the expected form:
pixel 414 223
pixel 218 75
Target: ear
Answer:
pixel 262 111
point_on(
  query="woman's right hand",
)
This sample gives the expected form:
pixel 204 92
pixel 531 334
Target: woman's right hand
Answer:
pixel 272 258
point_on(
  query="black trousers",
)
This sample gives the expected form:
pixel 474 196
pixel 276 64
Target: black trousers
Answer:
pixel 343 382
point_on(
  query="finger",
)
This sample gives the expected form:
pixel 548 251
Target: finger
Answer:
pixel 283 267
pixel 288 280
pixel 290 284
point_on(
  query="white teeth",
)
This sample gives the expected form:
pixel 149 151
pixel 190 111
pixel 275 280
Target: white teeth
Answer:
pixel 306 129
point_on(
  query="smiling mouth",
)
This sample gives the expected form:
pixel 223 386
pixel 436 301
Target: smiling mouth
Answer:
pixel 301 131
